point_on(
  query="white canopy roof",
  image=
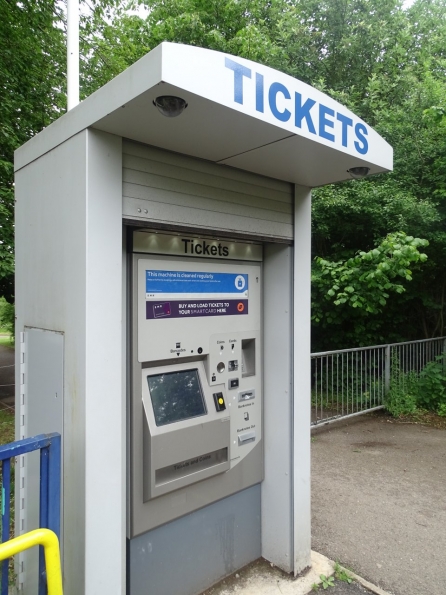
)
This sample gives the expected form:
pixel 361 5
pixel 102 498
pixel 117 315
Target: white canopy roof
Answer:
pixel 239 113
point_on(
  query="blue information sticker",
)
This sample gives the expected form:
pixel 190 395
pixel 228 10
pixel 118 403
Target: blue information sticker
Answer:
pixel 188 294
pixel 192 285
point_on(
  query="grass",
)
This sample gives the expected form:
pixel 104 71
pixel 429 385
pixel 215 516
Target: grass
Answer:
pixel 6 426
pixel 6 339
pixel 7 435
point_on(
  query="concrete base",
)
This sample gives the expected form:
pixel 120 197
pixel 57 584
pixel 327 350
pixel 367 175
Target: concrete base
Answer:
pixel 263 578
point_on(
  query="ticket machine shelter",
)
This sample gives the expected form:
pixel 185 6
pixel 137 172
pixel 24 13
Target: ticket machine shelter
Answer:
pixel 114 185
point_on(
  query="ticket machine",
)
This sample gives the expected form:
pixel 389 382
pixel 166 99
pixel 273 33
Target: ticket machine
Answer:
pixel 196 390
pixel 163 271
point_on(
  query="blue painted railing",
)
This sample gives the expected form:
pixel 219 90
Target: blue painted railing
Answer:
pixel 49 515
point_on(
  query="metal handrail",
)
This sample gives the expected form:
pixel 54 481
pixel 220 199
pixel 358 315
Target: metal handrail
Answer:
pixel 350 382
pixel 353 349
pixel 49 514
pixel 47 539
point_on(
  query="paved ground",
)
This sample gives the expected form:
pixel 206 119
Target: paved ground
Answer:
pixel 379 499
pixel 342 588
pixel 7 378
pixel 379 502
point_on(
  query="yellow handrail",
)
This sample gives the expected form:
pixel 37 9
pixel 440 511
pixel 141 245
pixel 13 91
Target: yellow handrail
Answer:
pixel 50 543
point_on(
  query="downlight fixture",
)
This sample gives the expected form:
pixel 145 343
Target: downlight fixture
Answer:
pixel 358 172
pixel 170 106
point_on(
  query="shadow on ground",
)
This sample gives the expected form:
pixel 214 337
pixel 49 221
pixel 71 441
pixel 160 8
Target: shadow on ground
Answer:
pixel 378 502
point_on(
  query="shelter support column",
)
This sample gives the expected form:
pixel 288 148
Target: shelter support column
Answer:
pixel 105 472
pixel 302 380
pixel 286 526
pixel 277 494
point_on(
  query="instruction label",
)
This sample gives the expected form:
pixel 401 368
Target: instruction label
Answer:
pixel 189 294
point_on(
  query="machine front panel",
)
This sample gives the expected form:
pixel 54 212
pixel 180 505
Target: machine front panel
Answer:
pixel 196 399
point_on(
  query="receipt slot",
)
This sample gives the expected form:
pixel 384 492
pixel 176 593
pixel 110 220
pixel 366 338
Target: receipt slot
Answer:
pixel 196 395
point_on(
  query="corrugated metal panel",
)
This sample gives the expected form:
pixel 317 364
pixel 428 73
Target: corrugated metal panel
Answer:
pixel 168 188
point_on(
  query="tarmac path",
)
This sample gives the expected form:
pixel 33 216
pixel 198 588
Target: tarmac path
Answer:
pixel 378 498
pixel 379 502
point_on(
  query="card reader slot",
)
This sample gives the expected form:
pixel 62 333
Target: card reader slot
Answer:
pixel 246 395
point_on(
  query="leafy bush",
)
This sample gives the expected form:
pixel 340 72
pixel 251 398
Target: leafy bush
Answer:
pixel 403 390
pixel 7 316
pixel 409 391
pixel 432 386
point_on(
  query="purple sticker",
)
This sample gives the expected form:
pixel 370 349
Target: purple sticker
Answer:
pixel 195 308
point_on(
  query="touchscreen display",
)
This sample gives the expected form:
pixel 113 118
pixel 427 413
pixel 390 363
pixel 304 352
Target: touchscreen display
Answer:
pixel 176 396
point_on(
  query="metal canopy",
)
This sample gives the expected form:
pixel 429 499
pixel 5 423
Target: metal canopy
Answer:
pixel 239 114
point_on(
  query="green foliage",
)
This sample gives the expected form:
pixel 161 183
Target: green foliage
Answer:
pixel 431 389
pixel 404 98
pixel 365 280
pixel 363 283
pixel 7 317
pixel 410 391
pixel 7 434
pixel 6 427
pixel 326 581
pixel 342 574
pixel 402 396
pixel 381 59
pixel 32 82
pixel 408 111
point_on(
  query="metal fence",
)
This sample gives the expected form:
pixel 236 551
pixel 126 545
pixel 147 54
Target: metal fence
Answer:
pixel 354 381
pixel 49 515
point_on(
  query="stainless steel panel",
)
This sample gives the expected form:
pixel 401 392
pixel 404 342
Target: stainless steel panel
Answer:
pixel 44 375
pixel 160 186
pixel 191 553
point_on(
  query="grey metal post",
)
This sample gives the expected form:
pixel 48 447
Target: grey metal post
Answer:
pixel 302 380
pixel 387 364
pixel 444 356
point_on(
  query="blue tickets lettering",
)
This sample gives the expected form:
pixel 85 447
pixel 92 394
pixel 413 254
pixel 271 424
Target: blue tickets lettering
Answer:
pixel 360 131
pixel 259 92
pixel 325 111
pixel 273 91
pixel 239 72
pixel 346 122
pixel 303 111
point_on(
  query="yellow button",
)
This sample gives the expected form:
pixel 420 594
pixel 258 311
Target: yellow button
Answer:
pixel 220 401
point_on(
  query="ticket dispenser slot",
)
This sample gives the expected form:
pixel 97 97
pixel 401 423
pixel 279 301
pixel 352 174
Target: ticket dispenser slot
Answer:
pixel 196 396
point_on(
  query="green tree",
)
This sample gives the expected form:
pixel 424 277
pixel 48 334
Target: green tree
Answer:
pixel 32 79
pixel 347 293
pixel 353 215
pixel 385 62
